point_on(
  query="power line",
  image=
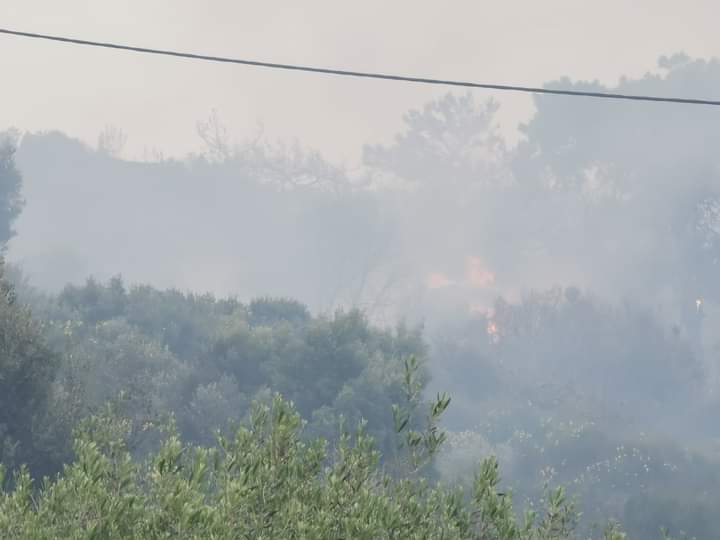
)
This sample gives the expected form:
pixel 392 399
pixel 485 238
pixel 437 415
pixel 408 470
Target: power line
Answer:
pixel 361 74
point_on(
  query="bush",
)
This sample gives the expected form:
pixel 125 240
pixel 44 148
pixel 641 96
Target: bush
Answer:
pixel 264 482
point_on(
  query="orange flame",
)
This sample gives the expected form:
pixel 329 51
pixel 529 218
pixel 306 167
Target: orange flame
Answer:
pixel 493 331
pixel 477 275
pixel 436 280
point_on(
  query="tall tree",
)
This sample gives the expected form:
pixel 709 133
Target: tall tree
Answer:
pixel 11 202
pixel 26 374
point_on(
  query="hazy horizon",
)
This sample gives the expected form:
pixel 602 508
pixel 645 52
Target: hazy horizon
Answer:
pixel 506 42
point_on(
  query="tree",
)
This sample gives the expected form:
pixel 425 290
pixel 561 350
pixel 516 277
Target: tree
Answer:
pixel 11 202
pixel 266 481
pixel 451 140
pixel 111 141
pixel 627 194
pixel 26 373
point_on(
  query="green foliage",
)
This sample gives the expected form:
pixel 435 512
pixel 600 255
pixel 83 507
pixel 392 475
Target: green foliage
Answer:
pixel 137 474
pixel 561 380
pixel 423 445
pixel 269 311
pixel 11 202
pixel 264 481
pixel 27 369
pixel 578 388
pixel 205 359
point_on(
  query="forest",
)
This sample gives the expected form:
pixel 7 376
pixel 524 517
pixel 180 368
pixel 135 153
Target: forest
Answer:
pixel 463 338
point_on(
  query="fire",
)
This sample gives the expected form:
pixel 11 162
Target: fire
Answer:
pixel 477 275
pixel 493 331
pixel 436 280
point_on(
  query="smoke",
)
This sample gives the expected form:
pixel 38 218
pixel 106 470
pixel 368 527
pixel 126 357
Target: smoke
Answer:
pixel 569 279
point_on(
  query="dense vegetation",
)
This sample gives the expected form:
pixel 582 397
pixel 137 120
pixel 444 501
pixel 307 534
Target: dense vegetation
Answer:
pixel 206 360
pixel 157 412
pixel 135 472
pixel 176 368
pixel 266 481
pixel 592 396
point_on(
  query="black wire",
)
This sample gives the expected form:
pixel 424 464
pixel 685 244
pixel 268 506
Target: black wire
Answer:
pixel 362 74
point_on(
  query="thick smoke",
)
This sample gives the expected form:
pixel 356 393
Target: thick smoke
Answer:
pixel 567 283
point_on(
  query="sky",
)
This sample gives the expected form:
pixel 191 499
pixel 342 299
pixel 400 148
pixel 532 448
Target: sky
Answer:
pixel 158 101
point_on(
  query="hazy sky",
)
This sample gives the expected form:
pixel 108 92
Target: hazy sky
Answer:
pixel 157 101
